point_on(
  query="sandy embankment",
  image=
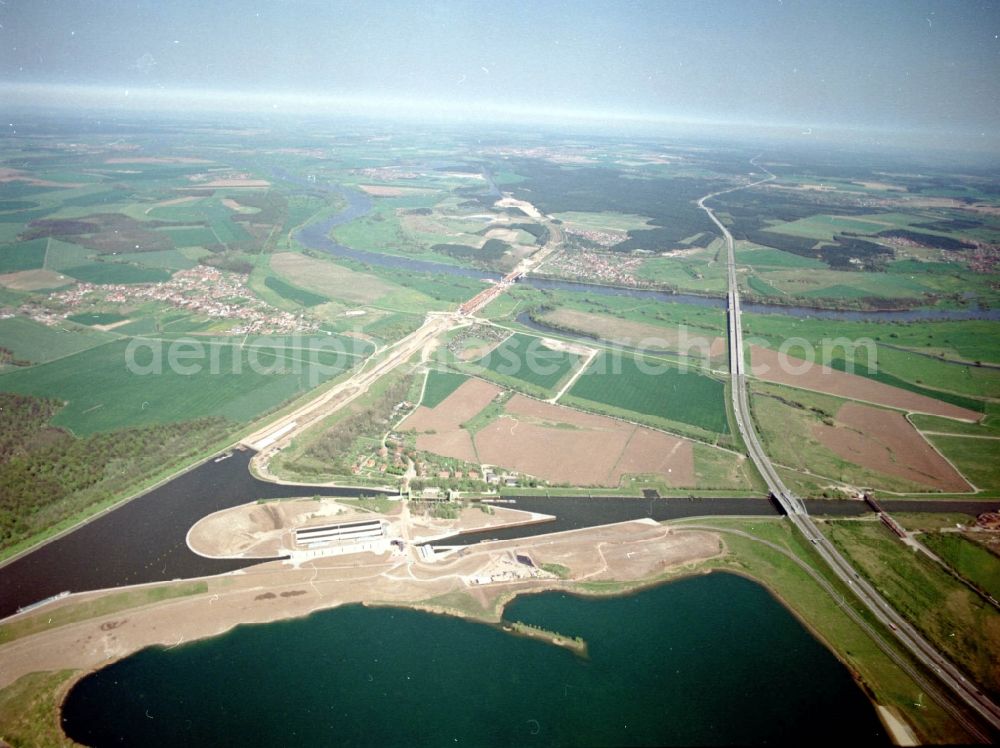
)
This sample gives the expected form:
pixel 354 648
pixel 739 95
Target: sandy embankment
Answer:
pixel 265 530
pixel 630 551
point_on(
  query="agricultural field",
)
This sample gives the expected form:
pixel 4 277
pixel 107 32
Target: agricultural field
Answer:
pixel 439 385
pixel 102 394
pixel 35 343
pixel 953 617
pixel 968 558
pixel 940 356
pixel 475 423
pixel 18 256
pixel 976 458
pixel 292 293
pixel 654 389
pixel 833 445
pixel 773 366
pixel 525 359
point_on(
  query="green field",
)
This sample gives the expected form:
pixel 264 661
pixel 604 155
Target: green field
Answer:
pixel 293 293
pixel 880 375
pixel 28 255
pixel 192 236
pixel 31 341
pixel 776 258
pixel 220 228
pixel 62 255
pixel 170 259
pixel 102 393
pixel 976 459
pixel 971 560
pixel 663 392
pixel 524 358
pixel 952 616
pixel 439 385
pixel 116 272
pixel 105 318
pixel 900 345
pixel 824 227
pixel 760 286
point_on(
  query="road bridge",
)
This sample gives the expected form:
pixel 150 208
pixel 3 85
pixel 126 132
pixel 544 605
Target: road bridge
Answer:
pixel 918 647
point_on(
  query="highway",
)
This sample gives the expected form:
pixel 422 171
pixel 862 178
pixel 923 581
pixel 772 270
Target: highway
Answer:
pixel 918 647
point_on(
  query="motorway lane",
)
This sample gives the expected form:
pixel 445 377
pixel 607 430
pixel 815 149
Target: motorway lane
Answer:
pixel 793 506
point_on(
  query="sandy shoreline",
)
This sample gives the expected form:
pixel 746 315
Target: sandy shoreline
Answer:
pixel 274 591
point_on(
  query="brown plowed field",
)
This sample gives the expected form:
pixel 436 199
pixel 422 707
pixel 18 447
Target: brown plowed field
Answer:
pixel 456 443
pixel 885 441
pixel 454 410
pixel 766 365
pixel 548 441
pixel 578 457
pixel 653 452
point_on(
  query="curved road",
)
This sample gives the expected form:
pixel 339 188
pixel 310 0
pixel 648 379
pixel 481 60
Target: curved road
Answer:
pixel 924 652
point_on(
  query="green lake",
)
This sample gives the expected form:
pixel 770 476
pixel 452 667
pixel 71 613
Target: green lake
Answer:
pixel 702 661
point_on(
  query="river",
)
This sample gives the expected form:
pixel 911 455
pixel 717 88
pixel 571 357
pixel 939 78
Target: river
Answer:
pixel 702 661
pixel 315 236
pixel 144 540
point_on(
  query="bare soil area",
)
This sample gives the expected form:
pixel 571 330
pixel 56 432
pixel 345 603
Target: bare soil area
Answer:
pixel 885 441
pixel 510 202
pixel 470 519
pixel 262 530
pixel 559 444
pixel 456 443
pixel 770 366
pixel 233 205
pixel 454 410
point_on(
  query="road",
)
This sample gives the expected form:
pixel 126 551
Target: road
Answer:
pixel 279 433
pixel 924 653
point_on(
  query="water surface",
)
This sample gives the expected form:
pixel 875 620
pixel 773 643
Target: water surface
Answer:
pixel 703 661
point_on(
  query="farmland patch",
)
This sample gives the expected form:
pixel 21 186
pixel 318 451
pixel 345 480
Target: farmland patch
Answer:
pixel 888 443
pixel 772 367
pixel 103 394
pixel 655 389
pixel 525 359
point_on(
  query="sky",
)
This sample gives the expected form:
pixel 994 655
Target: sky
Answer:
pixel 911 68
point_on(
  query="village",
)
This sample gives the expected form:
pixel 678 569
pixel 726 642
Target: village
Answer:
pixel 201 290
pixel 617 269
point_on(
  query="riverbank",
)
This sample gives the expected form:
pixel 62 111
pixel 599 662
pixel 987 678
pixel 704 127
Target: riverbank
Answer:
pixel 609 560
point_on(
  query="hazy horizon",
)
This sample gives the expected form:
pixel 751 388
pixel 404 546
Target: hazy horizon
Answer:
pixel 921 73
